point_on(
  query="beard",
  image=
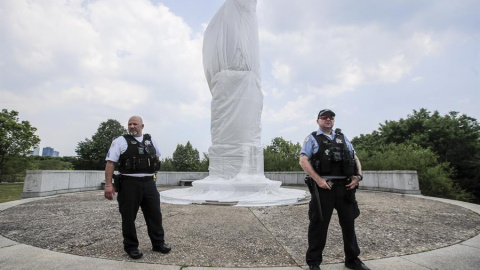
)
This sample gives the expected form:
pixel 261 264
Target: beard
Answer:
pixel 133 132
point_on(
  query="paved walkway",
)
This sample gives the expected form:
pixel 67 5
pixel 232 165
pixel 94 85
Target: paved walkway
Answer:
pixel 13 255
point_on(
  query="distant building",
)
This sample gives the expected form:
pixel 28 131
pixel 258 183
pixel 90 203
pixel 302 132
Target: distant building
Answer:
pixel 49 152
pixel 36 151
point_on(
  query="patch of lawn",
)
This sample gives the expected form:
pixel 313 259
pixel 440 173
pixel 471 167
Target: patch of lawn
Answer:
pixel 10 192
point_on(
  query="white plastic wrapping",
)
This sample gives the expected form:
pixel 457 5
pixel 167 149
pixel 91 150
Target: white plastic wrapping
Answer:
pixel 231 40
pixel 236 125
pixel 231 65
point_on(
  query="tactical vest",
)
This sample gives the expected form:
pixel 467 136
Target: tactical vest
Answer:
pixel 333 157
pixel 140 157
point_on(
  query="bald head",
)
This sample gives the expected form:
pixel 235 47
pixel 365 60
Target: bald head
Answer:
pixel 136 118
pixel 135 126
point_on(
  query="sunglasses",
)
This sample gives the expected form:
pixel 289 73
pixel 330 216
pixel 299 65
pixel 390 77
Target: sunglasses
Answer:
pixel 325 117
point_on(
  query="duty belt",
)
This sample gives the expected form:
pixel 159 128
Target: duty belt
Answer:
pixel 331 177
pixel 142 179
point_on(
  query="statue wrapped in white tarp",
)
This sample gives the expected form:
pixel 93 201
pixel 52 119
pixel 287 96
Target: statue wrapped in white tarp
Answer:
pixel 232 68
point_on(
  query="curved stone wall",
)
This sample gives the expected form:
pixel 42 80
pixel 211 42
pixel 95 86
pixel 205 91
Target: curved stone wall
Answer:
pixel 47 183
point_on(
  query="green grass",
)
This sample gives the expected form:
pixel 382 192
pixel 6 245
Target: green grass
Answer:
pixel 10 192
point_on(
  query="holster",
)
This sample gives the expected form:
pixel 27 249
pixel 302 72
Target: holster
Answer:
pixel 116 179
pixel 349 195
pixel 313 187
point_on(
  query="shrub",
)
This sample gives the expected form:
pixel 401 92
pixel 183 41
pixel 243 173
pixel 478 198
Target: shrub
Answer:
pixel 433 176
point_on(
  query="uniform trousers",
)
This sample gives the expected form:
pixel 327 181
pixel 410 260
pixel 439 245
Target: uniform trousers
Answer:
pixel 135 193
pixel 347 208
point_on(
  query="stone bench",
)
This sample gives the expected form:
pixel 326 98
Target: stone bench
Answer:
pixel 186 182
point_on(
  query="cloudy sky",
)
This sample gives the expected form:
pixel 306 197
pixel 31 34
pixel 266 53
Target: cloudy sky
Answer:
pixel 66 66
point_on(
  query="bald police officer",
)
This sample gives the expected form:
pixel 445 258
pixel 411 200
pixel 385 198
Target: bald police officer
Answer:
pixel 138 160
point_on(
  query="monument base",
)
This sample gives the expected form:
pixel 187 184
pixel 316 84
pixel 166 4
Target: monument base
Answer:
pixel 243 190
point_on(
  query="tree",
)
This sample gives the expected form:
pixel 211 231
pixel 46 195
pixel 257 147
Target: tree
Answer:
pixel 204 163
pixel 16 138
pixel 50 163
pixel 186 158
pixel 15 167
pixel 92 152
pixel 433 176
pixel 282 155
pixel 454 138
pixel 167 165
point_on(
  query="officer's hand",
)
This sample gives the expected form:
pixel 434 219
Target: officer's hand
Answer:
pixel 109 193
pixel 322 183
pixel 354 182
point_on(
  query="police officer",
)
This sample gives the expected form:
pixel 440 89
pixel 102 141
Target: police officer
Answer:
pixel 333 168
pixel 138 159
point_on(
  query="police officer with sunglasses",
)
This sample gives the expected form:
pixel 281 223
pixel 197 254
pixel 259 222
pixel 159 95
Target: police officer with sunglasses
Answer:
pixel 333 173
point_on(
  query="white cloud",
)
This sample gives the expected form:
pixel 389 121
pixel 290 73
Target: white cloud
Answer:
pixel 108 93
pixel 425 43
pixel 391 70
pixel 293 110
pixel 416 79
pixel 281 72
pixel 84 44
pixel 66 56
pixel 276 93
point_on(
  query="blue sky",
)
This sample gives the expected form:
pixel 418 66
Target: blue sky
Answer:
pixel 67 66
